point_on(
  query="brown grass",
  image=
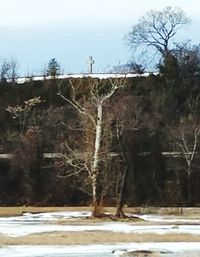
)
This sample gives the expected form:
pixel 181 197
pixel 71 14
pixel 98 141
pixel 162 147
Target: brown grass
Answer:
pixel 183 212
pixel 76 238
pixel 16 211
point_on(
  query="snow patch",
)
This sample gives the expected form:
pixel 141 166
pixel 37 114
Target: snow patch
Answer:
pixel 36 223
pixel 94 250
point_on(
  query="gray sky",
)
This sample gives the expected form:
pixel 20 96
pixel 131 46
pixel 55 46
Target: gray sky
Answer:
pixel 34 31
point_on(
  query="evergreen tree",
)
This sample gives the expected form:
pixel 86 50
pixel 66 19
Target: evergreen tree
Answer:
pixel 53 68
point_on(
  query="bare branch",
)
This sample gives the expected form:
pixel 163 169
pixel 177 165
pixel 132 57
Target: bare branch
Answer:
pixel 157 28
pixel 77 106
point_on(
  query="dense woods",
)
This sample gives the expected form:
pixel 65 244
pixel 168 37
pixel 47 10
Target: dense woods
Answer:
pixel 148 147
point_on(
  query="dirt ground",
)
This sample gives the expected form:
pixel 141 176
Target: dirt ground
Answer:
pixel 92 237
pixel 15 211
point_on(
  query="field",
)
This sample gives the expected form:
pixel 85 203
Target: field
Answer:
pixel 96 236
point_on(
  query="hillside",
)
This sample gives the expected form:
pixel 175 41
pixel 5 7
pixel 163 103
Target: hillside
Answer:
pixel 144 118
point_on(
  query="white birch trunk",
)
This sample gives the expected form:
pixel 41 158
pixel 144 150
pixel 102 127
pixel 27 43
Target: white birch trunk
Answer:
pixel 95 163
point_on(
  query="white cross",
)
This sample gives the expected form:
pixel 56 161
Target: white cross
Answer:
pixel 90 63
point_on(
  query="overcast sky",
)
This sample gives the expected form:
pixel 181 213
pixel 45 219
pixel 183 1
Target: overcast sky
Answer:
pixel 34 31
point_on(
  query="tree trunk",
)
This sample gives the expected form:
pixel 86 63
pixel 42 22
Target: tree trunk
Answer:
pixel 189 184
pixel 95 163
pixel 119 209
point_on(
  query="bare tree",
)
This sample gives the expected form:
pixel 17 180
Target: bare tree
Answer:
pixel 157 29
pixel 91 109
pixel 130 67
pixel 8 69
pixel 26 161
pixel 127 116
pixel 14 66
pixel 4 70
pixel 22 112
pixel 188 58
pixel 187 136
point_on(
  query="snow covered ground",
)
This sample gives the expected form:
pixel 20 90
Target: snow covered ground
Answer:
pixel 170 219
pixel 23 229
pixel 38 223
pixel 97 250
pixel 83 75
